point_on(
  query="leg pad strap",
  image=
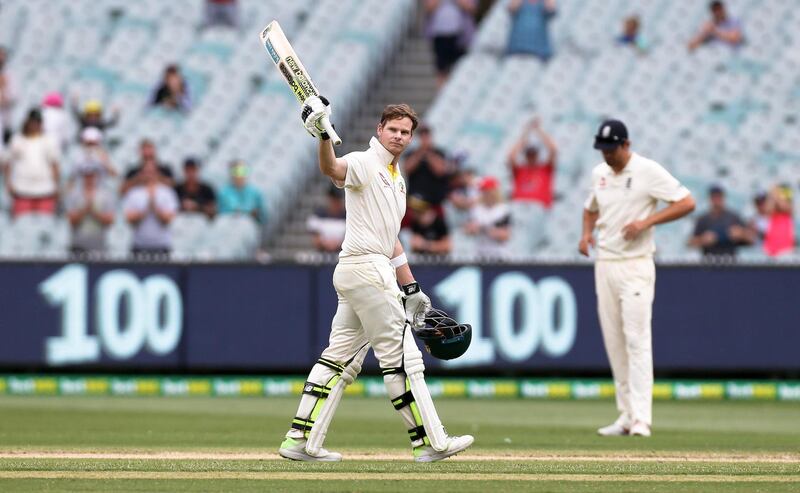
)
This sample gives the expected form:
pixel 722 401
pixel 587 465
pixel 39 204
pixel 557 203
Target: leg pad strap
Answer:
pixel 417 433
pixel 403 400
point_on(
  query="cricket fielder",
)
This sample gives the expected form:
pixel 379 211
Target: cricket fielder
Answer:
pixel 372 311
pixel 626 188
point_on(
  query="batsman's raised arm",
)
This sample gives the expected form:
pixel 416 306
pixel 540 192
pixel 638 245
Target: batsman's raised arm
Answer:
pixel 329 164
pixel 316 111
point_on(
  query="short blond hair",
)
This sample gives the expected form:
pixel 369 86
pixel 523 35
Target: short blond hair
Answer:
pixel 397 111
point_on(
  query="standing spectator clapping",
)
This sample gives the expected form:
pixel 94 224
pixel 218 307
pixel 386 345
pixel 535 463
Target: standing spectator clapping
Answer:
pixel 150 206
pixel 93 156
pixel 428 170
pixel 533 176
pixel 530 33
pixel 450 25
pixel 32 174
pixel 90 210
pixel 147 155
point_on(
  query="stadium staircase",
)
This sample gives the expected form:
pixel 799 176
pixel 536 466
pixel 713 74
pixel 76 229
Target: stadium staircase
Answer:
pixel 407 78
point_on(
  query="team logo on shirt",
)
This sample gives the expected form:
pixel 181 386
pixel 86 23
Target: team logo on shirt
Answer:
pixel 628 183
pixel 602 182
pixel 402 188
pixel 385 180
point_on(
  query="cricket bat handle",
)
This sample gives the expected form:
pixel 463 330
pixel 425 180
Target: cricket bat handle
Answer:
pixel 326 124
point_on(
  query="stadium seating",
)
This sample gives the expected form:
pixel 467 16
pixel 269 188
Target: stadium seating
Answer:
pixel 116 51
pixel 713 116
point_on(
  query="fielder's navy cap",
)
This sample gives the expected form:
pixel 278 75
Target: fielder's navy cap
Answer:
pixel 610 135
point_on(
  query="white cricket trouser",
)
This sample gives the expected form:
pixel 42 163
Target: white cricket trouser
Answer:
pixel 370 310
pixel 625 291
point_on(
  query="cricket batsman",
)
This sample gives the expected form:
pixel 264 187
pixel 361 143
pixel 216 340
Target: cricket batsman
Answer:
pixel 372 310
pixel 626 188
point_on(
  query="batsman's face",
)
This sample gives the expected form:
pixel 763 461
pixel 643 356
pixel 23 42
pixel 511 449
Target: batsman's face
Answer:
pixel 395 135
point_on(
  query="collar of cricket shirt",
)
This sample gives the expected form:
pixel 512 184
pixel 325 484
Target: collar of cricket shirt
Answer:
pixel 385 156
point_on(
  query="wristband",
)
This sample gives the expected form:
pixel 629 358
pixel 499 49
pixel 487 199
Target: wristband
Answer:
pixel 411 288
pixel 399 260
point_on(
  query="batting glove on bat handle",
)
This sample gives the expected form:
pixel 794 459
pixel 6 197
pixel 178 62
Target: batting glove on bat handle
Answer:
pixel 416 304
pixel 316 114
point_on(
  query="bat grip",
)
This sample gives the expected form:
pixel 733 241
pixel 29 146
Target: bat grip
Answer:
pixel 326 124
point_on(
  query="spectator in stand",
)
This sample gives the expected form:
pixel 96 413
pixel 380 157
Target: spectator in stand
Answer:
pixel 427 170
pixel 173 92
pixel 7 98
pixel 632 35
pixel 779 238
pixel 429 232
pixel 533 178
pixel 327 224
pixel 147 155
pixel 721 27
pixel 90 209
pixel 464 192
pixel 759 223
pixel 32 175
pixel 240 197
pixel 92 115
pixel 56 120
pixel 193 194
pixel 450 25
pixel 149 207
pixel 93 157
pixel 530 33
pixel 720 231
pixel 490 221
pixel 223 13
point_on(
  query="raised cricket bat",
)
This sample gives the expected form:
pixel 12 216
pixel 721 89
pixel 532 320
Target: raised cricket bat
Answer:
pixel 292 69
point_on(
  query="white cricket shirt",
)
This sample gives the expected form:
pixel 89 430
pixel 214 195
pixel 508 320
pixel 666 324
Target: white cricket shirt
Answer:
pixel 375 200
pixel 629 196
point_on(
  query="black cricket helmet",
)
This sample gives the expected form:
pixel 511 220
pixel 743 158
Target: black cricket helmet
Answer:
pixel 443 337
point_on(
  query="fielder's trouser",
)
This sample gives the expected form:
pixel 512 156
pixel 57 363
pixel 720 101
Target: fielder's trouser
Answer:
pixel 370 311
pixel 625 290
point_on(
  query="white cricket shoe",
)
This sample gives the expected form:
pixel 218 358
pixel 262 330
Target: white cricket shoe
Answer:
pixel 640 429
pixel 456 444
pixel 295 449
pixel 618 428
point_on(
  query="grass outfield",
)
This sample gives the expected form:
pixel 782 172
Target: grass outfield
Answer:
pixel 228 444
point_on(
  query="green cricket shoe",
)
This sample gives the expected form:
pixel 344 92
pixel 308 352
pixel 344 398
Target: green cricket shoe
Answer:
pixel 456 444
pixel 295 449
